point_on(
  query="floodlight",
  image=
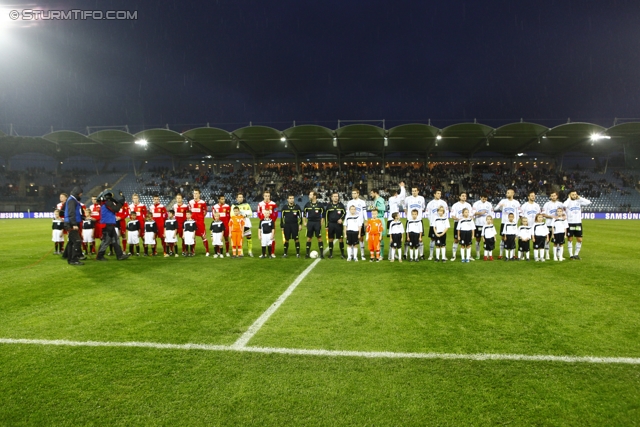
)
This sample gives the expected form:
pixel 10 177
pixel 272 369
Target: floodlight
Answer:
pixel 142 142
pixel 598 136
pixel 439 137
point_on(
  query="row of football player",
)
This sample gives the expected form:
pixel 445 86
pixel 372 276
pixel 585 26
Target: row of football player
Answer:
pixel 464 231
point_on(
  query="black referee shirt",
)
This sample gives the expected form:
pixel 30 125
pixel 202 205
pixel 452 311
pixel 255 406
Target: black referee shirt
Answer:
pixel 335 212
pixel 290 214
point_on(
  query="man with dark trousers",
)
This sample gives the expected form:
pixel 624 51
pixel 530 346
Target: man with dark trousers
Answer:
pixel 110 206
pixel 291 224
pixel 72 219
pixel 333 222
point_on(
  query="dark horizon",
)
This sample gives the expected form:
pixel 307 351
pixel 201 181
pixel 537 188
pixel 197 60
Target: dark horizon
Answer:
pixel 239 62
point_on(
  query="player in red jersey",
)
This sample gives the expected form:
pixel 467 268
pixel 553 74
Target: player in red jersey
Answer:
pixel 198 208
pixel 225 215
pixel 137 207
pixel 60 206
pixel 121 218
pixel 271 206
pixel 159 213
pixel 95 215
pixel 181 208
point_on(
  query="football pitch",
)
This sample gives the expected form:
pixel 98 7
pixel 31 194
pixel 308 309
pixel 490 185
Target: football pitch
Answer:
pixel 204 341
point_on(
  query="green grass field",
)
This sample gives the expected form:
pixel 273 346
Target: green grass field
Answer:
pixel 575 308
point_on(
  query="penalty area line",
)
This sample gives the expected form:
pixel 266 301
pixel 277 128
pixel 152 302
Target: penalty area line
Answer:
pixel 255 327
pixel 334 353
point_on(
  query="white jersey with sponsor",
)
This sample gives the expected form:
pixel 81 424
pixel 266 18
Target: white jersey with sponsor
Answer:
pixel 529 211
pixel 361 208
pixel 508 206
pixel 457 208
pixel 432 209
pixel 417 203
pixel 395 202
pixel 573 209
pixel 550 208
pixel 484 208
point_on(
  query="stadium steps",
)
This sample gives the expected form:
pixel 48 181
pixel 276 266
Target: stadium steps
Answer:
pixel 98 188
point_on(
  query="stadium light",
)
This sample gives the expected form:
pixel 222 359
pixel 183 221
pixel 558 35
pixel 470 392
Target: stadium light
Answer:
pixel 386 141
pixel 520 154
pixel 142 142
pixel 335 141
pixel 439 137
pixel 598 136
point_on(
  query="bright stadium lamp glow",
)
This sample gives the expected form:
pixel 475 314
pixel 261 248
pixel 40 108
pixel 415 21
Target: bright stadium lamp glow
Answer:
pixel 599 136
pixel 283 139
pixel 439 137
pixel 142 142
pixel 520 154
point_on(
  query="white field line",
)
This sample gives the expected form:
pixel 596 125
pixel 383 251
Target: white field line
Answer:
pixel 253 329
pixel 334 353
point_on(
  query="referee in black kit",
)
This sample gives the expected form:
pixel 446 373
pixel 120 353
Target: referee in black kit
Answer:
pixel 313 216
pixel 291 224
pixel 334 217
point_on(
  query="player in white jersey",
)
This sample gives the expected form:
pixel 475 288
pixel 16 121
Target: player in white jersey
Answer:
pixel 573 209
pixel 549 212
pixel 507 206
pixel 530 208
pixel 417 202
pixel 456 215
pixel 432 212
pixel 465 234
pixel 482 209
pixel 361 209
pixel 352 230
pixel 396 202
pixel 560 227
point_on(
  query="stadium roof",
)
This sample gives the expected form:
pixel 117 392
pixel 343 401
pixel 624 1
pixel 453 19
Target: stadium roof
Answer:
pixel 463 140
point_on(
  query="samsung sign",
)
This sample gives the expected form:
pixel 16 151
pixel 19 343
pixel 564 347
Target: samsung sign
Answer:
pixel 587 215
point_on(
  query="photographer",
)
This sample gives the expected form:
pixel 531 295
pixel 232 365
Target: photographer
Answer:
pixel 72 219
pixel 109 207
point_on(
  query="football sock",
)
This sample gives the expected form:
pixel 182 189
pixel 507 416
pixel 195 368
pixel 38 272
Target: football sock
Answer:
pixel 273 247
pixel 226 246
pixel 308 247
pixel 164 246
pixel 528 255
pixel 478 249
pixel 55 247
pixel 432 245
pixel 342 248
pixel 578 247
pixel 205 243
pixel 455 249
pixel 146 250
pixel 501 247
pixel 320 248
pixel 469 252
pixel 391 253
pixel 330 247
pixel 130 248
pixel 381 254
pixel 264 251
pixel 570 248
pixel 420 249
pixel 438 253
pixel 250 244
pixel 362 249
pixel 297 248
pixel 93 248
pixel 124 245
pixel 286 246
pixel 443 250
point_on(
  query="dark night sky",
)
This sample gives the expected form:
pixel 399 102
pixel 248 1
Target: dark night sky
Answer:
pixel 269 62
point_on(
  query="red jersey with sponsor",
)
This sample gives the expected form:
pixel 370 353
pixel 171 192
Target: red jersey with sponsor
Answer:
pixel 224 211
pixel 140 210
pixel 123 212
pixel 198 210
pixel 272 207
pixel 159 213
pixel 95 212
pixel 181 213
pixel 60 207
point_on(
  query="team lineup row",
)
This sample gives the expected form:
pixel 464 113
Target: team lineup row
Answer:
pixel 526 223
